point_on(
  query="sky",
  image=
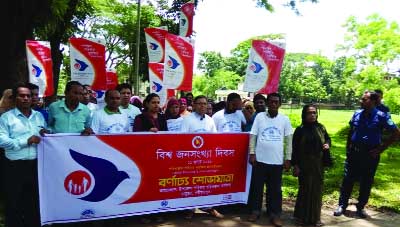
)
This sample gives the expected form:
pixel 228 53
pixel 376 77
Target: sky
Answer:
pixel 220 25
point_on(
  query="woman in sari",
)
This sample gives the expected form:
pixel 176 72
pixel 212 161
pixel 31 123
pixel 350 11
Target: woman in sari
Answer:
pixel 310 142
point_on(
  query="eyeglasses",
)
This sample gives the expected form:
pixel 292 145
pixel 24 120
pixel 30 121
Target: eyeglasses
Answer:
pixel 248 108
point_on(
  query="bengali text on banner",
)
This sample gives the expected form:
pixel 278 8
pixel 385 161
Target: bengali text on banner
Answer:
pixel 107 176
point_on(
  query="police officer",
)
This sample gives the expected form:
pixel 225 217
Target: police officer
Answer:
pixel 364 146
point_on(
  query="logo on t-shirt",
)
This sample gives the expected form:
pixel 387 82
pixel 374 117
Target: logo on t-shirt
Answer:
pixel 271 134
pixel 231 126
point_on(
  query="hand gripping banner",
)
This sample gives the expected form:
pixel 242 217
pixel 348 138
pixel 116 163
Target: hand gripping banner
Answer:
pixel 40 66
pixel 108 176
pixel 178 63
pixel 88 63
pixel 264 67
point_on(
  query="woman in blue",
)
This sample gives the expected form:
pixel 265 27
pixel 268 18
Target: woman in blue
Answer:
pixel 310 141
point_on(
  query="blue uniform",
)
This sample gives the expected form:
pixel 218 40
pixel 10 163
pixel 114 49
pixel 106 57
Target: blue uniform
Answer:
pixel 360 165
pixel 368 131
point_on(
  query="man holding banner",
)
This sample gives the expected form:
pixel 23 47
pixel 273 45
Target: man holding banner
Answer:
pixel 269 134
pixel 69 115
pixel 19 135
pixel 200 122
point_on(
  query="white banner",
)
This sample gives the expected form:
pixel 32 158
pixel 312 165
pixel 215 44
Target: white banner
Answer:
pixel 106 176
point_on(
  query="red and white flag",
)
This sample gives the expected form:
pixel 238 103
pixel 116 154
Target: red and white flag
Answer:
pixel 186 19
pixel 40 66
pixel 155 41
pixel 264 67
pixel 178 63
pixel 112 78
pixel 88 63
pixel 156 71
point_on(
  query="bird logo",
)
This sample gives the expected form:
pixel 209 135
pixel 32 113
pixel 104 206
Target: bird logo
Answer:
pixel 256 67
pixel 36 70
pixel 153 46
pixel 172 63
pixel 80 65
pixel 156 87
pixel 183 22
pixel 103 174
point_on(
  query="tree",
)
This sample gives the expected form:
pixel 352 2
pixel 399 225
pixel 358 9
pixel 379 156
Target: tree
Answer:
pixel 374 42
pixel 222 79
pixel 210 62
pixel 292 4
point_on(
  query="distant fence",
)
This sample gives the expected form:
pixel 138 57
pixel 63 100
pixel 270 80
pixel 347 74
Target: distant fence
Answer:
pixel 325 106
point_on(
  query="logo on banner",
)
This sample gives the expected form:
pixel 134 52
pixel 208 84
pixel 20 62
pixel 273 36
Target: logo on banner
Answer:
pixel 183 22
pixel 197 142
pixel 99 94
pixel 256 67
pixel 164 203
pixel 106 178
pixel 77 182
pixel 153 46
pixel 36 70
pixel 87 213
pixel 80 65
pixel 156 87
pixel 172 63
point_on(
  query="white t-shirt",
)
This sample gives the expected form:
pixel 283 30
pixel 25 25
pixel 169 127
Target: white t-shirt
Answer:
pixel 132 111
pixel 175 125
pixel 229 122
pixel 92 107
pixel 104 123
pixel 196 123
pixel 270 135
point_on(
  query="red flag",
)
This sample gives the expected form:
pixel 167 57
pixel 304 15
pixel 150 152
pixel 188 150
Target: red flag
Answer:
pixel 264 67
pixel 186 21
pixel 88 63
pixel 112 79
pixel 40 66
pixel 179 57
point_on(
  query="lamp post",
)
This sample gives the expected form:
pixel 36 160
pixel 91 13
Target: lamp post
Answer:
pixel 137 77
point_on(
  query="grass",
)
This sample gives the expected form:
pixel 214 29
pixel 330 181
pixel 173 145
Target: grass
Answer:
pixel 386 189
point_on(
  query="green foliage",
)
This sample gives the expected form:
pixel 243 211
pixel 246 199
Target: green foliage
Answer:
pixel 292 4
pixel 392 99
pixel 210 62
pixel 205 85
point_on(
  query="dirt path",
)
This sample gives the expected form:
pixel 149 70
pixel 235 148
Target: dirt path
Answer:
pixel 235 217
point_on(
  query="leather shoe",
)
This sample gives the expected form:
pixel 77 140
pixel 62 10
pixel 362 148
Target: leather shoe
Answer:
pixel 339 211
pixel 216 214
pixel 253 217
pixel 361 213
pixel 276 222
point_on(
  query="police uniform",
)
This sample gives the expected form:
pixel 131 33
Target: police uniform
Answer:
pixel 360 165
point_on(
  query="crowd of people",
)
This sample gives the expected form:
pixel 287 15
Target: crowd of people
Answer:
pixel 273 147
